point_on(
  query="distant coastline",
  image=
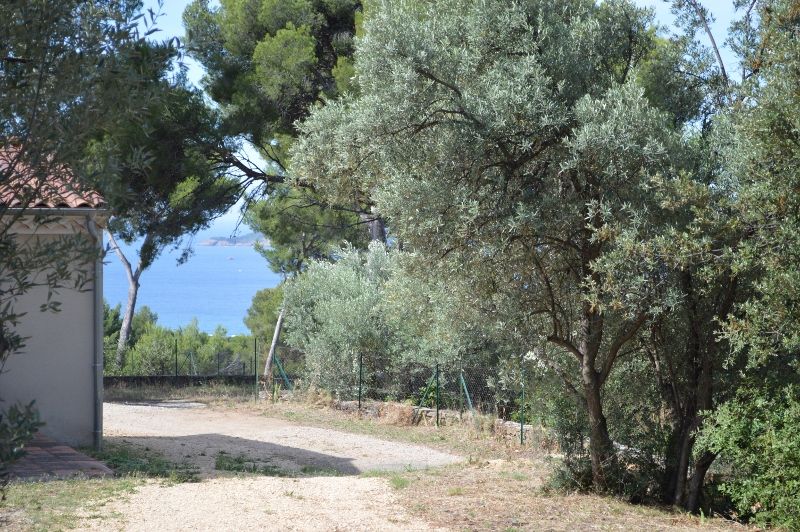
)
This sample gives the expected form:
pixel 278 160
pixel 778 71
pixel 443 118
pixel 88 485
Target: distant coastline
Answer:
pixel 247 240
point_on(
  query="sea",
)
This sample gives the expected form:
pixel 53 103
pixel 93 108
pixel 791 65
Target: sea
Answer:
pixel 216 286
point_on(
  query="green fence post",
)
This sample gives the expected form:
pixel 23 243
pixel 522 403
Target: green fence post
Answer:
pixel 428 385
pixel 460 397
pixel 255 366
pixel 360 377
pixel 437 394
pixel 282 372
pixel 176 357
pixel 522 408
pixel 466 392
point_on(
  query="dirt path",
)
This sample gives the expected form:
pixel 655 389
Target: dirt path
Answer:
pixel 260 503
pixel 220 502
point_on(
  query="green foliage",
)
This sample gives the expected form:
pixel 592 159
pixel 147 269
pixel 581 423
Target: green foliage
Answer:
pixel 301 228
pixel 153 353
pixel 158 170
pixel 335 316
pixel 160 180
pixel 131 461
pixel 154 347
pixel 17 427
pixel 369 306
pixel 756 430
pixel 263 313
pixel 506 145
pixel 143 319
pixel 765 160
pixel 669 83
pixel 756 434
pixel 112 321
pixel 285 63
pixel 268 61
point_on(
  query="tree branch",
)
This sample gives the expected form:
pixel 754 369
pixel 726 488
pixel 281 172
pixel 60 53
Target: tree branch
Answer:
pixel 566 344
pixel 564 377
pixel 428 74
pixel 701 14
pixel 125 263
pixel 624 337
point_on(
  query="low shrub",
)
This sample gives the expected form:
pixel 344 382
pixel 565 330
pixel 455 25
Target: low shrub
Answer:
pixel 17 427
pixel 128 460
pixel 758 435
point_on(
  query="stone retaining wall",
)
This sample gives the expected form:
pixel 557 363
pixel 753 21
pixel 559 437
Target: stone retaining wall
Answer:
pixel 403 414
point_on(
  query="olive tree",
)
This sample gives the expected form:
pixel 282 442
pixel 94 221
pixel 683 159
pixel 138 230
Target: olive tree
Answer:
pixel 504 141
pixel 755 430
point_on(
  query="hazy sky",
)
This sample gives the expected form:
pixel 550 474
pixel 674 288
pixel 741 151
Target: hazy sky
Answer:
pixel 171 25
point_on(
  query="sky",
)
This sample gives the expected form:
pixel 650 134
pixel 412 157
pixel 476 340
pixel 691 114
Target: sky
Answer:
pixel 170 24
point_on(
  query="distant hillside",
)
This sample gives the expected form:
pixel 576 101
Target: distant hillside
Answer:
pixel 240 240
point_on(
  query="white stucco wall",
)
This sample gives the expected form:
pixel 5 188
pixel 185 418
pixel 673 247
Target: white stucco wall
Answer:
pixel 55 366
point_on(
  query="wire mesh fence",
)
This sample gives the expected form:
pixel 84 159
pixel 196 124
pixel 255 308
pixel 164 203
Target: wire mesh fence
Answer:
pixel 430 388
pixel 169 359
pixel 438 389
pixel 242 363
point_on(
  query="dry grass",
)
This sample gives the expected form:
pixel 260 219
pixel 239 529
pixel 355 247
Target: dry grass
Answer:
pixel 221 394
pixel 57 505
pixel 508 495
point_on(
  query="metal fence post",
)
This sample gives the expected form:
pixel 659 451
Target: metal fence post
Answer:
pixel 466 392
pixel 360 377
pixel 460 396
pixel 218 368
pixel 176 357
pixel 255 365
pixel 437 394
pixel 522 407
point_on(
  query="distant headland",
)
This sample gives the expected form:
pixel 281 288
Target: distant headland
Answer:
pixel 247 240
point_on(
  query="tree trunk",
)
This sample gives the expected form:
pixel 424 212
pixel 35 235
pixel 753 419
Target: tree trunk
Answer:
pixel 127 320
pixel 601 450
pixel 376 225
pixel 700 351
pixel 276 335
pixel 695 487
pixel 684 450
pixel 704 393
pixel 130 306
pixel 669 482
pixel 377 230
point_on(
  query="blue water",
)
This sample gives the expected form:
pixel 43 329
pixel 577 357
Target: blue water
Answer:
pixel 216 286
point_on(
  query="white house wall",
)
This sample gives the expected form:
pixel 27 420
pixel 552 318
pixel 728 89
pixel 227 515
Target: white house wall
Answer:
pixel 55 366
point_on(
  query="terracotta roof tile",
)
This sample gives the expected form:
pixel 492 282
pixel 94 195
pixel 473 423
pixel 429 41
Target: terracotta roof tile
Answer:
pixel 60 191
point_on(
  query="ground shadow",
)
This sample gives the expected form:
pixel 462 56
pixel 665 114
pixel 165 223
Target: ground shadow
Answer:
pixel 218 454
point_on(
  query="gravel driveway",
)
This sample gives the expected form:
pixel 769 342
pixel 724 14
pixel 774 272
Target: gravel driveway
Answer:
pixel 190 432
pixel 197 434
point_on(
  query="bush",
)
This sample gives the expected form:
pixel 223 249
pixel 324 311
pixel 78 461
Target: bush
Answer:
pixel 17 427
pixel 758 435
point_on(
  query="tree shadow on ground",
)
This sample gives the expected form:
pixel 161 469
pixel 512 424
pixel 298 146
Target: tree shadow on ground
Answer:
pixel 218 454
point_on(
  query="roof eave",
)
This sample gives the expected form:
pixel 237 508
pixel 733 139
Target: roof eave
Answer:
pixel 56 211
